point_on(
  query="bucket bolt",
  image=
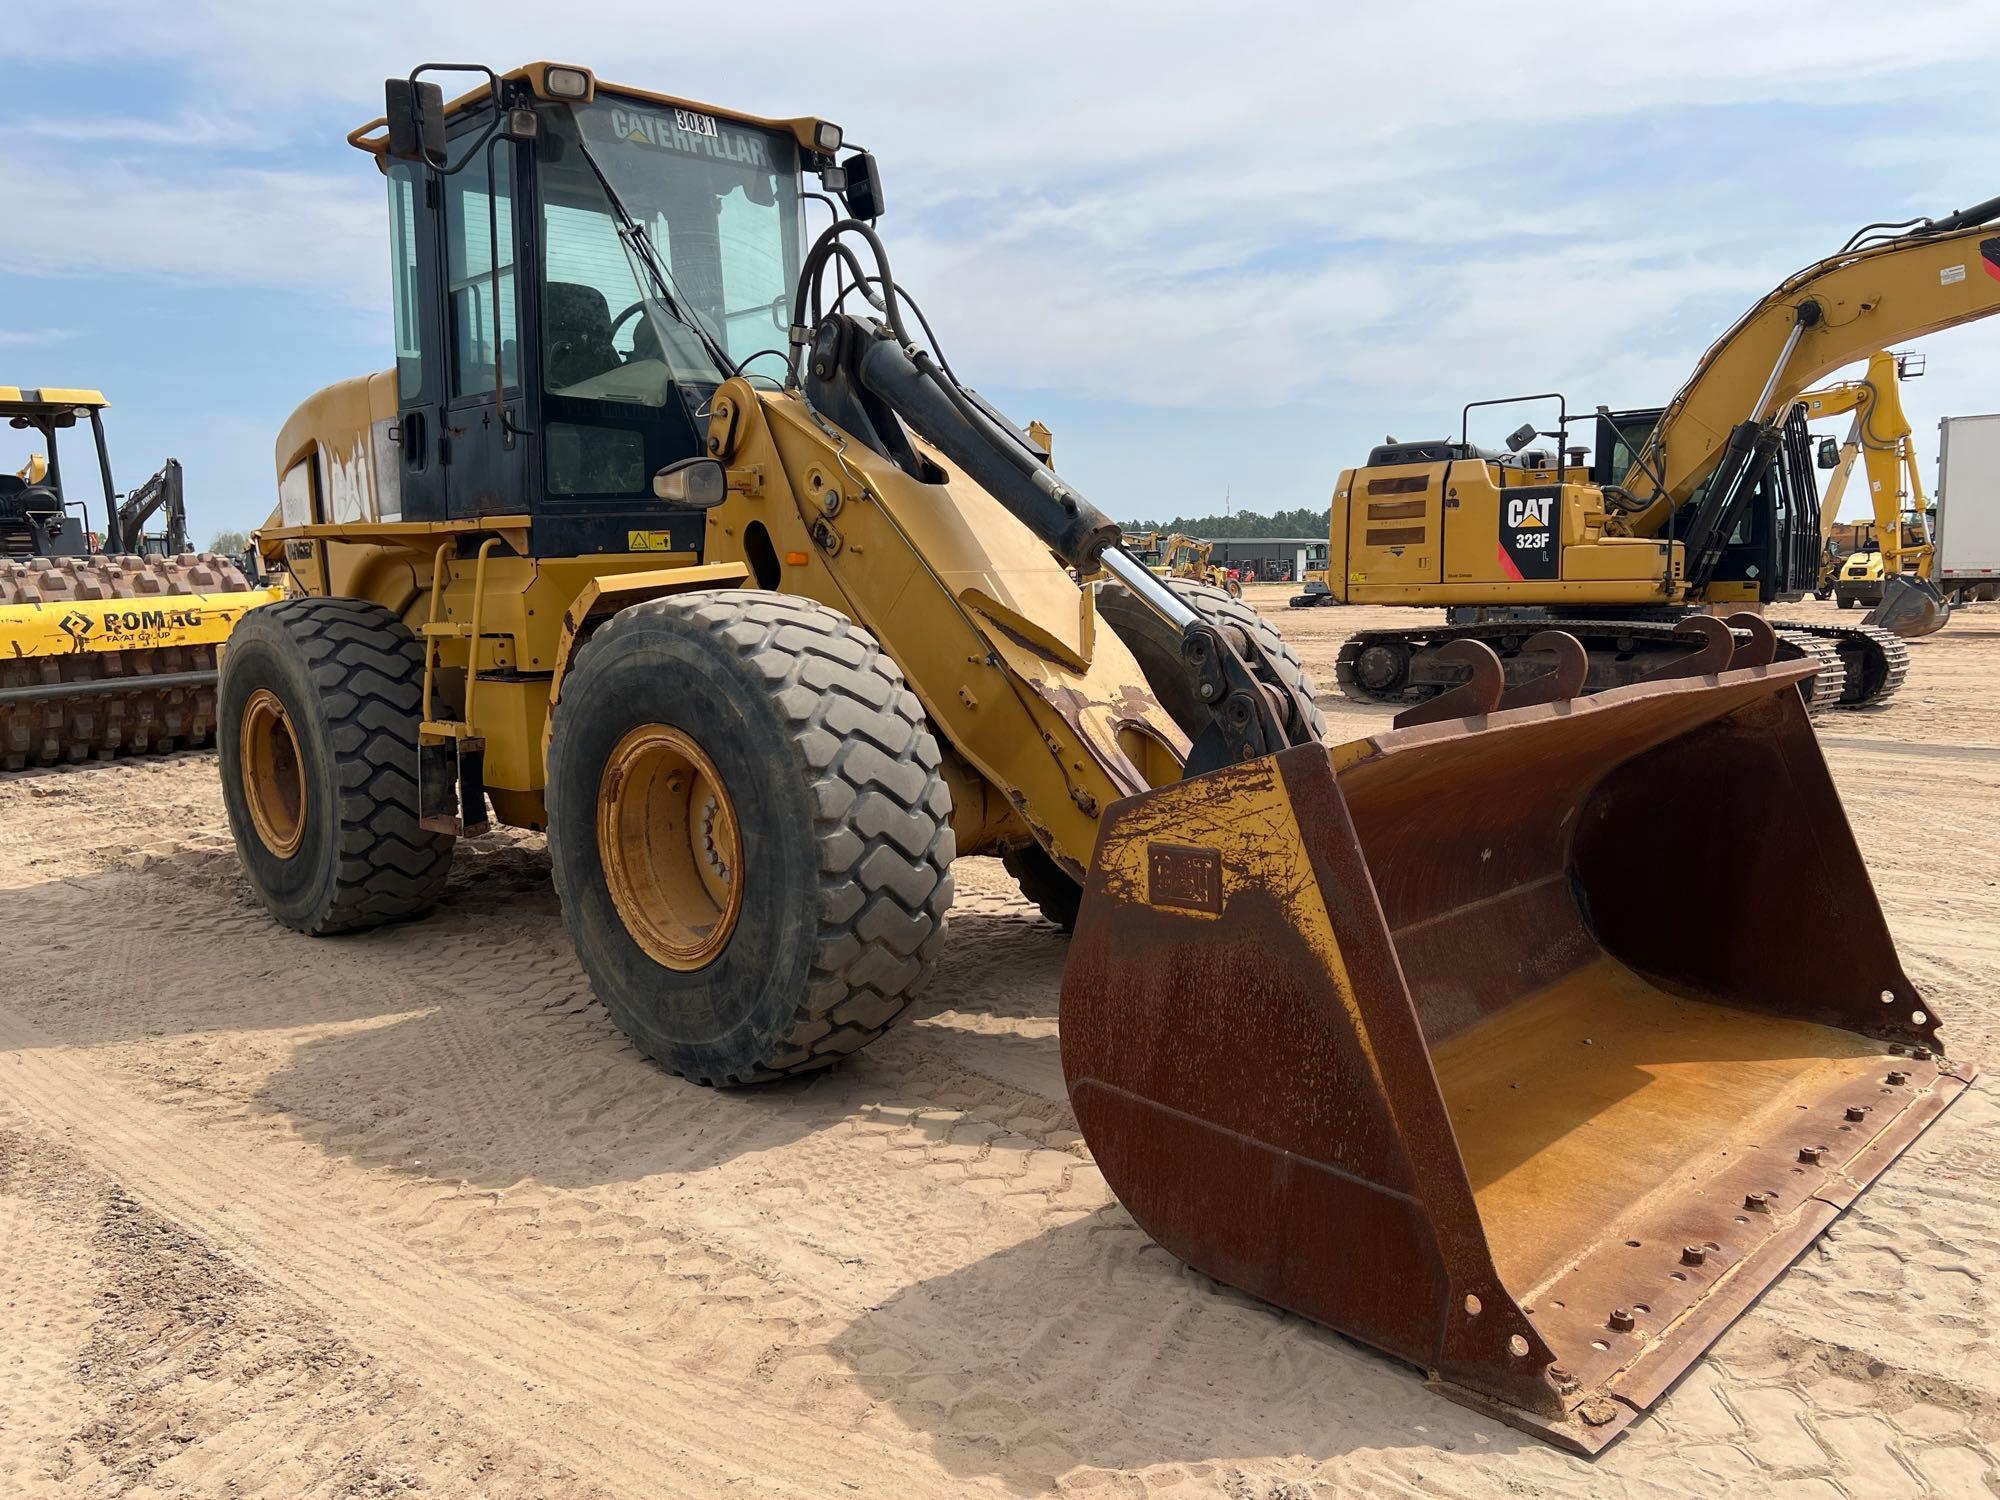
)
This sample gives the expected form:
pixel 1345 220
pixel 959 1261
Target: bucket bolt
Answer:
pixel 1621 1320
pixel 1856 1113
pixel 1810 1155
pixel 1898 1079
pixel 1565 1380
pixel 1693 1255
pixel 1757 1203
pixel 1920 1054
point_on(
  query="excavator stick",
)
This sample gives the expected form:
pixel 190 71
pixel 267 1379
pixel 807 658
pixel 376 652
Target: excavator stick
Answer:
pixel 1910 607
pixel 1529 1047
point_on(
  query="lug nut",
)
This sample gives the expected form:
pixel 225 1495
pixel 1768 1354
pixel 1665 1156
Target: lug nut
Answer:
pixel 1809 1155
pixel 1756 1202
pixel 1856 1114
pixel 1897 1080
pixel 1621 1320
pixel 1693 1255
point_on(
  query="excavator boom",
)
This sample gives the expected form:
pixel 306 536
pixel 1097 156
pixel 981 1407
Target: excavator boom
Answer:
pixel 1832 313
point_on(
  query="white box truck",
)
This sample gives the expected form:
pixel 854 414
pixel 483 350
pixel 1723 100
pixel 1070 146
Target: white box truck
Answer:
pixel 1968 507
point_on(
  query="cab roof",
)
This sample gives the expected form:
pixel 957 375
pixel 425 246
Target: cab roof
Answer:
pixel 373 137
pixel 47 400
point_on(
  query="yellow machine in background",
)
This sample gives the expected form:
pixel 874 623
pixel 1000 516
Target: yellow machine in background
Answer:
pixel 652 542
pixel 1710 504
pixel 107 641
pixel 1173 554
pixel 1893 573
pixel 1188 557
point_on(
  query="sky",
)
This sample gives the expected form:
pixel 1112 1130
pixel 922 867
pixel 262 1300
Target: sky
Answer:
pixel 1221 251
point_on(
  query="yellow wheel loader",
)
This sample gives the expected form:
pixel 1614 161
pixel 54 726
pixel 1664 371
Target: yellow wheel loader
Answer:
pixel 672 532
pixel 1893 578
pixel 107 641
pixel 1708 504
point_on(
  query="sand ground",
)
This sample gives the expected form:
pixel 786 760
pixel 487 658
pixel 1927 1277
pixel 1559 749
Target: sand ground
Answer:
pixel 402 1213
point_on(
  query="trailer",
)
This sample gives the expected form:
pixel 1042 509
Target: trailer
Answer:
pixel 1968 508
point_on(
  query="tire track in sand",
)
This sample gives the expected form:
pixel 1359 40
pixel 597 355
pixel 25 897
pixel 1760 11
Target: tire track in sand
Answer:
pixel 583 1399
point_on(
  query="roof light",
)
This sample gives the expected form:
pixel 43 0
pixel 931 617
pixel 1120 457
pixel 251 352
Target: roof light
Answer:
pixel 567 83
pixel 826 135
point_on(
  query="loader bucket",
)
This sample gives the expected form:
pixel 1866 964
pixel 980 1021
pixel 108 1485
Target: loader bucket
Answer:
pixel 1910 607
pixel 1529 1047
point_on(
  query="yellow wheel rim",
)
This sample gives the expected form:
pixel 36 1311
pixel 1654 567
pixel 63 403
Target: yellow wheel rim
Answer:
pixel 672 852
pixel 274 777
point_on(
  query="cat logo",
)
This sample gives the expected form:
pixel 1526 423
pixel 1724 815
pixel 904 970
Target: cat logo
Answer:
pixel 1529 510
pixel 1530 540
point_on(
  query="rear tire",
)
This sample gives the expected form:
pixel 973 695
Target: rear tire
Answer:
pixel 824 921
pixel 322 789
pixel 1158 646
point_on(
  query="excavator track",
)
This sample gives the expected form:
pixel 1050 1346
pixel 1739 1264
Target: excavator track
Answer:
pixel 1388 667
pixel 79 705
pixel 1876 660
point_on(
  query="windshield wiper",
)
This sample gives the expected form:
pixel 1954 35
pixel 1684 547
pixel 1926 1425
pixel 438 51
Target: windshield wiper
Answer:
pixel 634 235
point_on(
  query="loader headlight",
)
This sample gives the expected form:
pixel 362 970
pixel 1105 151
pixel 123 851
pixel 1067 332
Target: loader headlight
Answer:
pixel 568 83
pixel 827 136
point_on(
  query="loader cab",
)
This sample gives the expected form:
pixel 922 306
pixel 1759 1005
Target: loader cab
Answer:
pixel 573 279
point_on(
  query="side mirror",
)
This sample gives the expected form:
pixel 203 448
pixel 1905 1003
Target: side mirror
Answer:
pixel 699 482
pixel 862 191
pixel 1521 436
pixel 1829 453
pixel 415 112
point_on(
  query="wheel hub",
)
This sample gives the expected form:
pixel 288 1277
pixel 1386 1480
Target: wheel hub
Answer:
pixel 668 838
pixel 273 772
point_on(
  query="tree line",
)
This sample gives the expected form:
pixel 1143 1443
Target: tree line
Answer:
pixel 1305 521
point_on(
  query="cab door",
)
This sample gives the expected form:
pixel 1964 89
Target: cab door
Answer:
pixel 482 441
pixel 414 286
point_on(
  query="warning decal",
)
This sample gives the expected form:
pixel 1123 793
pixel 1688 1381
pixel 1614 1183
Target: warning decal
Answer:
pixel 1530 533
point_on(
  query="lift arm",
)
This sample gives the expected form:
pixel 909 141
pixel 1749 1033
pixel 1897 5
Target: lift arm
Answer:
pixel 1880 432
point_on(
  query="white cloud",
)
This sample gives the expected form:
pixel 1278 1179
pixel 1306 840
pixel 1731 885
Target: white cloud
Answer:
pixel 1381 208
pixel 30 338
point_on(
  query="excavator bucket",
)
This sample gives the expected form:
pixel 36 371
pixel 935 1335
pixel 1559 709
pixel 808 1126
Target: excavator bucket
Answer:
pixel 1529 1047
pixel 1910 607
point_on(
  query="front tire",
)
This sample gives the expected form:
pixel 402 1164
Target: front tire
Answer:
pixel 317 710
pixel 750 832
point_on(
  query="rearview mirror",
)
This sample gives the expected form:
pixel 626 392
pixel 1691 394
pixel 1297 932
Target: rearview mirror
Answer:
pixel 1829 453
pixel 1521 436
pixel 693 481
pixel 415 112
pixel 862 191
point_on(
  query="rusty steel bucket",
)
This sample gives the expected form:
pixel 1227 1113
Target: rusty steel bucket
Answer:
pixel 1529 1047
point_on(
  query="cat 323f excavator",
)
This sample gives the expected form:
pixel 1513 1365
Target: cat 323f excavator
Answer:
pixel 1709 503
pixel 673 532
